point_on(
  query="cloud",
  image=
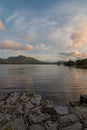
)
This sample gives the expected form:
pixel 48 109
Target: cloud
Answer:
pixel 12 45
pixel 74 54
pixel 79 36
pixel 2 27
pixel 28 38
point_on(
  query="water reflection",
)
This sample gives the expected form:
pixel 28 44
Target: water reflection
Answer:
pixel 59 83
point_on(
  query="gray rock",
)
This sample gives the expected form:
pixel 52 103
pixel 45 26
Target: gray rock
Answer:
pixel 51 125
pixel 81 111
pixel 18 124
pixel 62 110
pixel 27 107
pixel 47 103
pixel 18 109
pixel 37 127
pixel 4 118
pixel 25 97
pixel 38 118
pixel 77 126
pixel 36 99
pixel 68 118
pixel 12 99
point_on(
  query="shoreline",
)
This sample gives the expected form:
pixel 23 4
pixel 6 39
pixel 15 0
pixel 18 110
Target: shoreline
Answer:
pixel 25 111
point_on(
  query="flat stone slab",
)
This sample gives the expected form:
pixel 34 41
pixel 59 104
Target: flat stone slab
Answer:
pixel 37 127
pixel 81 111
pixel 77 126
pixel 62 110
pixel 50 125
pixel 71 118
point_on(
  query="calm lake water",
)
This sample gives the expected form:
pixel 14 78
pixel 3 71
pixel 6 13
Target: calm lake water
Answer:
pixel 58 83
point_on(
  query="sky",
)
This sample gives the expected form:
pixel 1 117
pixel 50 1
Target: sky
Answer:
pixel 49 30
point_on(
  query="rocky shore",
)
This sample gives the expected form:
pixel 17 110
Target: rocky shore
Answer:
pixel 25 111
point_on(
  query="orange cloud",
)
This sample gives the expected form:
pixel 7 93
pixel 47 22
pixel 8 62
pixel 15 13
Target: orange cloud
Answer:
pixel 79 36
pixel 2 27
pixel 28 38
pixel 74 54
pixel 12 45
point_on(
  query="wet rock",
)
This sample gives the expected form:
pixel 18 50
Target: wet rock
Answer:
pixel 47 103
pixel 50 125
pixel 77 126
pixel 71 118
pixel 12 99
pixel 83 98
pixel 37 127
pixel 36 99
pixel 62 110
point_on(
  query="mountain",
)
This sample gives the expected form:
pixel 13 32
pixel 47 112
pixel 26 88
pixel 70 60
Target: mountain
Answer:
pixel 22 60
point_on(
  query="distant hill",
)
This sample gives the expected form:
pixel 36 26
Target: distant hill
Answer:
pixel 22 60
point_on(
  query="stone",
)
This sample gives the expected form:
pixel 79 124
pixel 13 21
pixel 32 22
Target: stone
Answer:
pixel 27 107
pixel 81 111
pixel 50 125
pixel 36 99
pixel 12 99
pixel 38 118
pixel 47 103
pixel 25 97
pixel 71 118
pixel 62 110
pixel 17 124
pixel 83 99
pixel 4 118
pixel 77 126
pixel 18 110
pixel 37 127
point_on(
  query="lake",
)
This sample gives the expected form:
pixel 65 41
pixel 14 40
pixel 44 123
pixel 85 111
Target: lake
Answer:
pixel 58 83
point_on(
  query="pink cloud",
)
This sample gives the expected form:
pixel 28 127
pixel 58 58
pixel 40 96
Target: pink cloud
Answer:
pixel 2 27
pixel 12 45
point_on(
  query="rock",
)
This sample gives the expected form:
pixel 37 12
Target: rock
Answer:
pixel 77 126
pixel 83 98
pixel 81 111
pixel 37 127
pixel 36 99
pixel 62 110
pixel 25 97
pixel 47 103
pixel 4 118
pixel 51 125
pixel 18 124
pixel 27 107
pixel 50 111
pixel 71 118
pixel 18 110
pixel 12 99
pixel 38 118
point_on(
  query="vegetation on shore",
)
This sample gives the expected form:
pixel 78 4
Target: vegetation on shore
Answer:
pixel 82 63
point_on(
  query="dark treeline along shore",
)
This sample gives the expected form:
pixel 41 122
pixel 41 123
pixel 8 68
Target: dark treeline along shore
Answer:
pixel 82 63
pixel 23 60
